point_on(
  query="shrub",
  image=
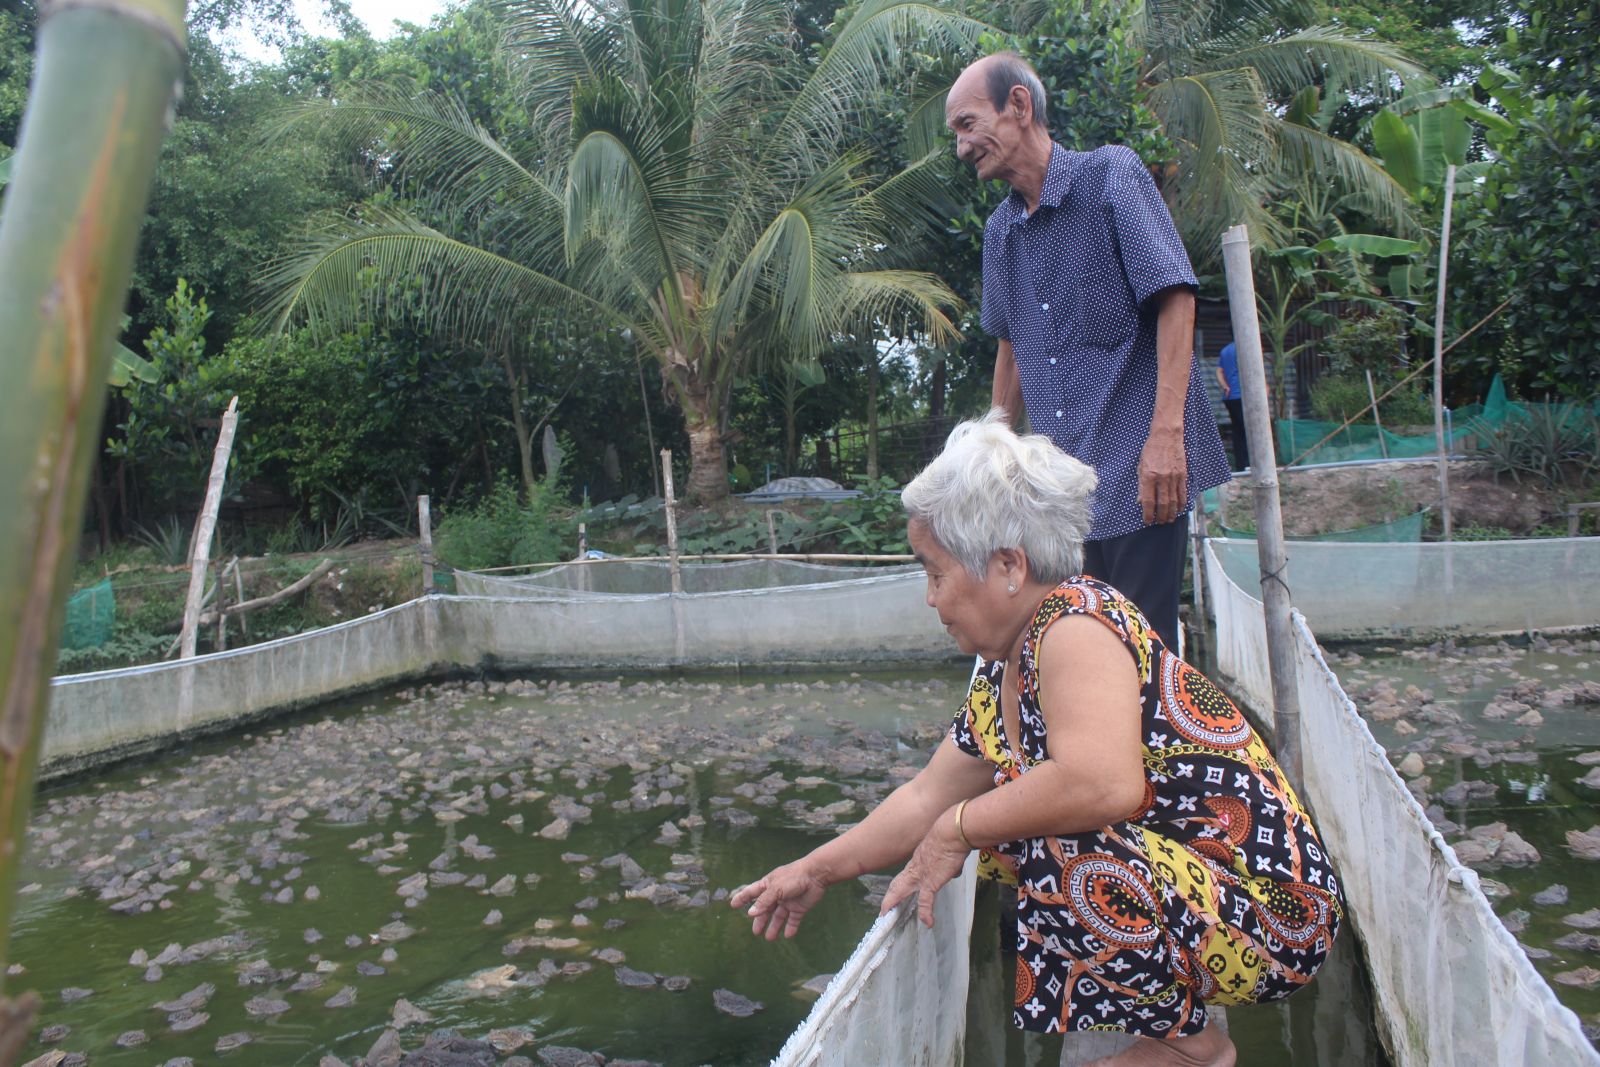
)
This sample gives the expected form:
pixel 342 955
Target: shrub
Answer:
pixel 501 530
pixel 1338 397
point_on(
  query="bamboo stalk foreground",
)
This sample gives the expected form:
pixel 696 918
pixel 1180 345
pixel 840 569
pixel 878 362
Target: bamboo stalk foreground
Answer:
pixel 103 85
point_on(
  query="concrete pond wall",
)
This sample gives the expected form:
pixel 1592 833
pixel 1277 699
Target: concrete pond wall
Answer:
pixel 99 718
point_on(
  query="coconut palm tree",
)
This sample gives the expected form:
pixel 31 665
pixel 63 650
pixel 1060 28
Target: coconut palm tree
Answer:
pixel 1229 82
pixel 1222 76
pixel 683 173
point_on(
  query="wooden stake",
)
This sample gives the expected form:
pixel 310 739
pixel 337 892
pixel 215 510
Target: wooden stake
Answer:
pixel 1372 394
pixel 772 535
pixel 425 526
pixel 204 531
pixel 238 588
pixel 1438 363
pixel 1269 517
pixel 672 520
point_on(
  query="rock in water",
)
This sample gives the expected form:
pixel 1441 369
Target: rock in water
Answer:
pixel 342 999
pixel 565 1056
pixel 229 1042
pixel 509 1040
pixel 1554 895
pixel 731 1003
pixel 1514 851
pixel 1583 978
pixel 816 985
pixel 1585 844
pixel 132 1038
pixel 265 1007
pixel 632 979
pixel 386 1051
pixel 407 1014
pixel 183 1021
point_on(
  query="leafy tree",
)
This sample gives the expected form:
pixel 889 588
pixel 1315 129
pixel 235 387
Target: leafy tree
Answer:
pixel 1528 235
pixel 689 178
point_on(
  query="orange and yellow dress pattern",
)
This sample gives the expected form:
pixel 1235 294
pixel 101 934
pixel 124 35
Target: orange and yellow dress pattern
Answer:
pixel 1216 891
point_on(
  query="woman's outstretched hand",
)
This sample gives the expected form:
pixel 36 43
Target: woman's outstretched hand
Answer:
pixel 778 901
pixel 938 858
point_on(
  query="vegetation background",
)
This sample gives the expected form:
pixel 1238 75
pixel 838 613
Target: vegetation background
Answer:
pixel 1325 125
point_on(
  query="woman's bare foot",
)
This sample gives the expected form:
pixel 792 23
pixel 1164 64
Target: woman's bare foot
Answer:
pixel 1209 1048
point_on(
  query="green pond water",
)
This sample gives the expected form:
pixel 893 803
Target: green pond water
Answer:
pixel 1465 710
pixel 281 858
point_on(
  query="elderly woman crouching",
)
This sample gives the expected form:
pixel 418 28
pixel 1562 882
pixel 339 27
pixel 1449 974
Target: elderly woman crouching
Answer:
pixel 1161 859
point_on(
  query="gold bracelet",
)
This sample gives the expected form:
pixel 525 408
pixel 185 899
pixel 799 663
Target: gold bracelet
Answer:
pixel 962 834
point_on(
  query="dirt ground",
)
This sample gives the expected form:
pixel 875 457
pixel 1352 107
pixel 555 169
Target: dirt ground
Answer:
pixel 1317 501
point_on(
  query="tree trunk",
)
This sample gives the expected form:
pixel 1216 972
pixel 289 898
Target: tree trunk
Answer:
pixel 91 137
pixel 824 460
pixel 520 426
pixel 708 461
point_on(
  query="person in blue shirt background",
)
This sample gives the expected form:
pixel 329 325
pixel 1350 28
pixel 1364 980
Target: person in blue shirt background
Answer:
pixel 1228 376
pixel 1090 296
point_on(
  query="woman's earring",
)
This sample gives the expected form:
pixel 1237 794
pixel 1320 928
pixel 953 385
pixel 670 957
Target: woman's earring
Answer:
pixel 1011 588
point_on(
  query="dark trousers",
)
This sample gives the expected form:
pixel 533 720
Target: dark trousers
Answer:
pixel 1145 566
pixel 1241 445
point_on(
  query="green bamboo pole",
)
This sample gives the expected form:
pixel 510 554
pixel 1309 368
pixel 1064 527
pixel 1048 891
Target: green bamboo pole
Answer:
pixel 103 86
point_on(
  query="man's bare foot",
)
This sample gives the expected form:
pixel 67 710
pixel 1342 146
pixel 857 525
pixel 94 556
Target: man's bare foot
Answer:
pixel 1209 1048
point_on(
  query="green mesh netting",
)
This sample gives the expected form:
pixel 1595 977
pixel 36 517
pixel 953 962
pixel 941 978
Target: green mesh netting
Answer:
pixel 1301 441
pixel 1407 528
pixel 90 615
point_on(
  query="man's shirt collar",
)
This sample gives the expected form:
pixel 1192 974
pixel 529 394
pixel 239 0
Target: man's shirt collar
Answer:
pixel 1057 182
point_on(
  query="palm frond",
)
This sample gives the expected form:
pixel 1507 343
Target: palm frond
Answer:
pixel 888 296
pixel 868 47
pixel 1305 153
pixel 550 46
pixel 432 138
pixel 386 265
pixel 1290 62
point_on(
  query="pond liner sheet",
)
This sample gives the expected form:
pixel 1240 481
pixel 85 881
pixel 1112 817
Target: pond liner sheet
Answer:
pixel 1451 984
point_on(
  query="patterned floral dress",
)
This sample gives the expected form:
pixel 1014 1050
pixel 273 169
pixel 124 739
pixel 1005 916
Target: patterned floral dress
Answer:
pixel 1216 890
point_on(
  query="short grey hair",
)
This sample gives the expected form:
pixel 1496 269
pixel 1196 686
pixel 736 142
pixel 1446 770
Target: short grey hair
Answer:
pixel 992 488
pixel 1004 72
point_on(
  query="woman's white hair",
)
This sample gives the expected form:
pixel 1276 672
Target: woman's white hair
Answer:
pixel 992 488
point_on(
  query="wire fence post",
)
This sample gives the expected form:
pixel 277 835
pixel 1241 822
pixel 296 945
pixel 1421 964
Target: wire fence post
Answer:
pixel 425 532
pixel 672 521
pixel 1274 558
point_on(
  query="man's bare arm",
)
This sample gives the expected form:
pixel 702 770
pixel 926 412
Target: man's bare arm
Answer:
pixel 1164 466
pixel 1007 382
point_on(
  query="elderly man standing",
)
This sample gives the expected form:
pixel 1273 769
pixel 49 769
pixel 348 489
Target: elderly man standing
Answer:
pixel 1090 293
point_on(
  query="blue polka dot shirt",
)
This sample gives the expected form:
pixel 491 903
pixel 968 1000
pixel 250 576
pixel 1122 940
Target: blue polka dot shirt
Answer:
pixel 1070 286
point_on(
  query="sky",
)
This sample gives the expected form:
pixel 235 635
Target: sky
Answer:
pixel 379 15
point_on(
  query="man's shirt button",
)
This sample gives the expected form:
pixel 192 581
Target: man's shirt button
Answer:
pixel 1044 307
pixel 1058 414
pixel 1052 361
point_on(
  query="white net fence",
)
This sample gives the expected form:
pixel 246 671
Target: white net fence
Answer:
pixel 878 619
pixel 1350 589
pixel 900 998
pixel 1452 985
pixel 654 577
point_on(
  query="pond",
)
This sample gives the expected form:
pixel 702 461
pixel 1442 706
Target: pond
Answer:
pixel 539 863
pixel 1500 741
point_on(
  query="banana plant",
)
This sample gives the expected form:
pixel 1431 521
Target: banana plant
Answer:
pixel 1421 134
